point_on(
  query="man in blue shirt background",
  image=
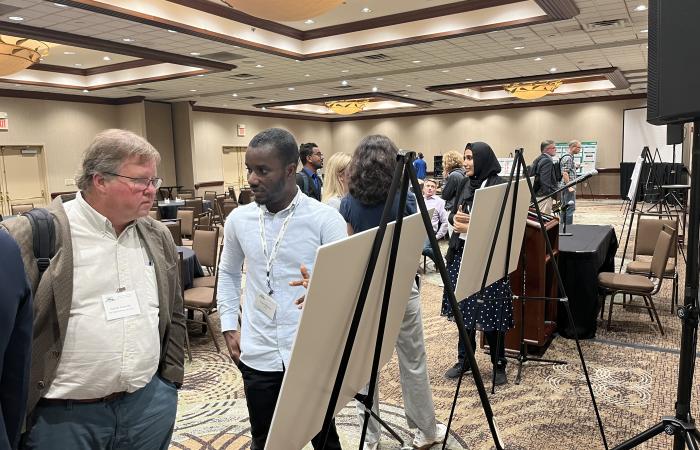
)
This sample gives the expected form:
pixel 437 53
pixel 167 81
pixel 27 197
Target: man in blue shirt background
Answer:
pixel 421 167
pixel 308 179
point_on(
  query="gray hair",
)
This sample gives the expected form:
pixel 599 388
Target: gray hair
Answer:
pixel 109 150
pixel 545 144
pixel 574 143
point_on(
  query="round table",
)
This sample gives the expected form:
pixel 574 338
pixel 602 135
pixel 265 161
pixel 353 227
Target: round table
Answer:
pixel 191 267
pixel 168 210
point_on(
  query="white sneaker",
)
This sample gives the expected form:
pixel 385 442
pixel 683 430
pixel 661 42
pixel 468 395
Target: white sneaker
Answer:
pixel 371 446
pixel 422 442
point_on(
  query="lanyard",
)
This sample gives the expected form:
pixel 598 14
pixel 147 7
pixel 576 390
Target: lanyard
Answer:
pixel 269 260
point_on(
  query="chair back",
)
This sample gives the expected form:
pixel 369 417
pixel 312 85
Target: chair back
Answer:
pixel 227 207
pixel 245 197
pixel 205 243
pixel 175 228
pixel 661 252
pixel 211 196
pixel 232 193
pixel 185 193
pixel 648 229
pixel 196 204
pixel 20 208
pixel 186 216
pixel 154 213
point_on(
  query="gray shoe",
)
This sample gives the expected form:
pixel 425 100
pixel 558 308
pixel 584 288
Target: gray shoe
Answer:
pixel 456 370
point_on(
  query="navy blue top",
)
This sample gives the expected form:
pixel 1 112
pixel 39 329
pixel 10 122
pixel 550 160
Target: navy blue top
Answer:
pixel 15 341
pixel 362 217
pixel 421 168
pixel 313 176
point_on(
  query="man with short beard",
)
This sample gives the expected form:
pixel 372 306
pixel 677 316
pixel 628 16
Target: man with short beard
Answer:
pixel 308 179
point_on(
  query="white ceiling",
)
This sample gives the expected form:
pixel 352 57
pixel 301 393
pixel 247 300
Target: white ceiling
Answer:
pixel 566 45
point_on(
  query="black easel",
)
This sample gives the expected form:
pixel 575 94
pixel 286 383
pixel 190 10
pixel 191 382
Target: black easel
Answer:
pixel 518 170
pixel 405 174
pixel 682 425
pixel 633 207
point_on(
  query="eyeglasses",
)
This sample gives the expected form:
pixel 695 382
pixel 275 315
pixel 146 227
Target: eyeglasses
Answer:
pixel 141 183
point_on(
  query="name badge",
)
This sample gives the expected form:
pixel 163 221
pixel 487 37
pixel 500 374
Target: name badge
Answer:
pixel 266 304
pixel 120 305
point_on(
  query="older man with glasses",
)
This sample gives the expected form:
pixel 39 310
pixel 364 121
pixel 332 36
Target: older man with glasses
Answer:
pixel 107 352
pixel 546 178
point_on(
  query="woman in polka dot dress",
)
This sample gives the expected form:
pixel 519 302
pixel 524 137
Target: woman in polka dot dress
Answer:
pixel 491 312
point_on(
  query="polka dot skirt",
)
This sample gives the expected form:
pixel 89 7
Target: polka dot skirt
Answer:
pixel 491 312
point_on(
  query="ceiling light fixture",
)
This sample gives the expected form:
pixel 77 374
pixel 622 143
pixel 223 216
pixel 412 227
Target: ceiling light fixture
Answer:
pixel 69 53
pixel 366 10
pixel 445 71
pixel 234 95
pixel 172 31
pixel 553 69
pixel 16 18
pixel 644 31
pixel 19 53
pixel 284 10
pixel 195 53
pixel 307 75
pixel 531 91
pixel 291 89
pixel 193 90
pixel 309 21
pixel 62 6
pixel 106 58
pixel 641 8
pixel 259 66
pixel 78 65
pixel 375 89
pixel 520 47
pixel 347 107
pixel 85 91
pixel 345 71
pixel 416 61
pixel 128 40
pixel 538 59
pixel 379 79
pixel 467 79
pixel 344 82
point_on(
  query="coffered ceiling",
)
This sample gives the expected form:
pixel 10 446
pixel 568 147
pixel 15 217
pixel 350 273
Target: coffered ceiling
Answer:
pixel 205 52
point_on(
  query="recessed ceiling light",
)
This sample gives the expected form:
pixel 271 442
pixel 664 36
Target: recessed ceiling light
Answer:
pixel 69 53
pixel 641 8
pixel 78 65
pixel 195 53
pixel 366 10
pixel 325 95
pixel 259 66
pixel 307 75
pixel 416 61
pixel 520 47
pixel 172 31
pixel 106 58
pixel 251 82
pixel 200 75
pixel 264 107
pixel 62 6
pixel 409 85
pixel 538 59
pixel 16 18
pixel 375 89
pixel 234 95
pixel 309 21
pixel 379 79
pixel 445 71
pixel 405 95
pixel 345 71
pixel 644 31
pixel 128 40
pixel 467 79
pixel 290 88
pixel 344 82
pixel 193 90
pixel 271 100
pixel 553 69
pixel 85 91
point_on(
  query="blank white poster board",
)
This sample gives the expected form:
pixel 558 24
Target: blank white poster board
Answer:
pixel 636 173
pixel 333 291
pixel 482 230
pixel 637 133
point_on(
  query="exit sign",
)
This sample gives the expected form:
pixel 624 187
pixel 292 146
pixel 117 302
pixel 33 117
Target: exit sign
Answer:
pixel 3 122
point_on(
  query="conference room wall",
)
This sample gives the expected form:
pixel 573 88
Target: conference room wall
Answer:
pixel 504 130
pixel 213 131
pixel 159 132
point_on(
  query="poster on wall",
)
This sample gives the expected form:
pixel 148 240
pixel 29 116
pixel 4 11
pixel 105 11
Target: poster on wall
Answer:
pixel 585 160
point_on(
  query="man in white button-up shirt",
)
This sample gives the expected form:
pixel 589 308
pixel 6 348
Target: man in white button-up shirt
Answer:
pixel 108 338
pixel 275 236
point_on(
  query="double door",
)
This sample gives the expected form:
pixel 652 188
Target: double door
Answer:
pixel 22 177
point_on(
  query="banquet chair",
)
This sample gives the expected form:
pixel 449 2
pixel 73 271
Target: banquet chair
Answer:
pixel 175 228
pixel 205 243
pixel 202 299
pixel 20 208
pixel 643 286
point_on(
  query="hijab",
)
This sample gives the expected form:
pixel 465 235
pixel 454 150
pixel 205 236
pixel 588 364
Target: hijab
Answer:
pixel 486 166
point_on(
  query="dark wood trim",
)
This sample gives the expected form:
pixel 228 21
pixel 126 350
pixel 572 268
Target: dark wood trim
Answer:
pixel 559 9
pixel 365 95
pixel 608 170
pixel 468 109
pixel 56 194
pixel 208 184
pixel 12 93
pixel 404 17
pixel 599 196
pixel 224 11
pixel 243 112
pixel 95 70
pixel 477 85
pixel 78 40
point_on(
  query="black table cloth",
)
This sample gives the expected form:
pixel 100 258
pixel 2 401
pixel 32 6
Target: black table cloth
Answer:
pixel 590 250
pixel 191 267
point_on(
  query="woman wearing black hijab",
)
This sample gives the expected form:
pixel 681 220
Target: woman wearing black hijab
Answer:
pixel 493 315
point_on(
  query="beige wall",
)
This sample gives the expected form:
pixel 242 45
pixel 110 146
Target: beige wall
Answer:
pixel 63 129
pixel 159 132
pixel 182 142
pixel 132 117
pixel 213 131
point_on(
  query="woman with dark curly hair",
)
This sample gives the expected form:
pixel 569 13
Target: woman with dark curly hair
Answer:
pixel 491 312
pixel 371 172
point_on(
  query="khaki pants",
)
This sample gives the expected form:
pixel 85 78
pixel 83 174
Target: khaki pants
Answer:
pixel 546 206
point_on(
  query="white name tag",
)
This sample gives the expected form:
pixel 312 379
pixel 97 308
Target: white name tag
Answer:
pixel 120 305
pixel 266 304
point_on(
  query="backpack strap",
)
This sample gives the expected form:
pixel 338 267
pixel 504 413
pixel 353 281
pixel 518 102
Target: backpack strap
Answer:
pixel 44 237
pixel 305 177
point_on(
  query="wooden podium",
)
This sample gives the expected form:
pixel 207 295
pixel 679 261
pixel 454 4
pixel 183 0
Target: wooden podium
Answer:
pixel 540 281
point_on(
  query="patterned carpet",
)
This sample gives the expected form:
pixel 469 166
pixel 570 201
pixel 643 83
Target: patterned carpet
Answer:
pixel 633 369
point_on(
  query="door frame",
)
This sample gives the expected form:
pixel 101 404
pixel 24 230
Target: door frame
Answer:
pixel 43 172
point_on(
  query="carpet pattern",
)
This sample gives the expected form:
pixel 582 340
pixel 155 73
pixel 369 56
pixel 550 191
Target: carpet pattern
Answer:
pixel 633 369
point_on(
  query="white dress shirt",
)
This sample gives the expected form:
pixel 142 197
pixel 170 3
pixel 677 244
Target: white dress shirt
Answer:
pixel 103 356
pixel 266 343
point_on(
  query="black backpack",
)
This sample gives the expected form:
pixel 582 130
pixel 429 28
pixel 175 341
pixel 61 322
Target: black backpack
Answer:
pixel 534 171
pixel 44 237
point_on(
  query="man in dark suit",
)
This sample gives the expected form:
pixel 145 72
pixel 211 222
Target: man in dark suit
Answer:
pixel 307 178
pixel 15 341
